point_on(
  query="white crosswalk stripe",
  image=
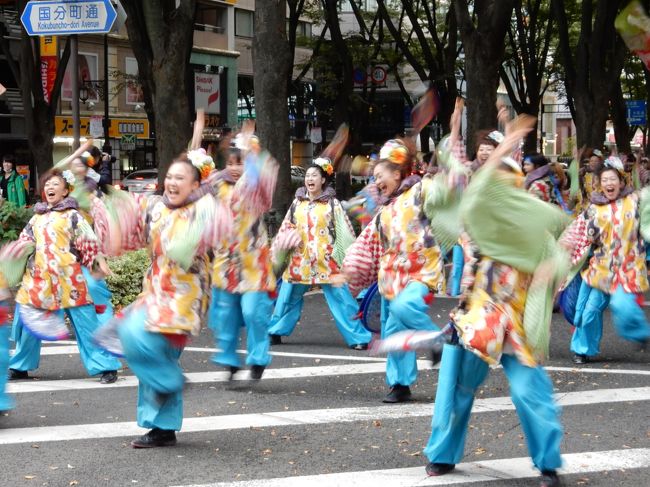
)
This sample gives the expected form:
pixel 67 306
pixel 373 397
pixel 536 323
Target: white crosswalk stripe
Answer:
pixel 465 473
pixel 305 417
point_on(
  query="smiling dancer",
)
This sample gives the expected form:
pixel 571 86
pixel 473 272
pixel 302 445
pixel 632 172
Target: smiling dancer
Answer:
pixel 54 246
pixel 608 237
pixel 322 234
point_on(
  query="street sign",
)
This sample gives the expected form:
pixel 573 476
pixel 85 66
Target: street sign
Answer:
pixel 636 112
pixel 67 17
pixel 378 75
pixel 127 142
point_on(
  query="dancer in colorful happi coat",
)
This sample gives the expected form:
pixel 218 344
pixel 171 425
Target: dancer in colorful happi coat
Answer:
pixel 504 313
pixel 608 239
pixel 401 249
pixel 312 240
pixel 178 228
pixel 243 282
pixel 52 250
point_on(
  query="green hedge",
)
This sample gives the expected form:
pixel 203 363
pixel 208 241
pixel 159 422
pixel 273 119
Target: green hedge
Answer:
pixel 126 281
pixel 13 219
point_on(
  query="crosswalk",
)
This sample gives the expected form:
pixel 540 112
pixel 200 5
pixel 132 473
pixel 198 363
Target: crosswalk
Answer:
pixel 314 419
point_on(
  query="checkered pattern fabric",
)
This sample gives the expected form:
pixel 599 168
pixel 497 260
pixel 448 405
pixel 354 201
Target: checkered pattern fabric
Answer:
pixel 576 239
pixel 362 259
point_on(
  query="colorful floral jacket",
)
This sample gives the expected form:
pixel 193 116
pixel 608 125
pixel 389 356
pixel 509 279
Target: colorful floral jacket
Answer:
pixel 176 296
pixel 612 231
pixel 490 320
pixel 242 261
pixel 312 262
pixel 398 245
pixel 63 243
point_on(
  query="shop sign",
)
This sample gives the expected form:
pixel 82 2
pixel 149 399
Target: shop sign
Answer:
pixel 64 126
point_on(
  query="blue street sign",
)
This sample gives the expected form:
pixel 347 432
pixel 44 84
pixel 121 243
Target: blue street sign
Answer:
pixel 636 112
pixel 66 17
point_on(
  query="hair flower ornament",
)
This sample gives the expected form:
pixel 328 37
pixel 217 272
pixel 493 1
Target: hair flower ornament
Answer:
pixel 395 152
pixel 614 163
pixel 325 164
pixel 87 158
pixel 496 136
pixel 202 161
pixel 69 177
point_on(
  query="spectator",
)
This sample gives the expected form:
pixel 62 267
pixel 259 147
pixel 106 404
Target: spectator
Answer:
pixel 12 187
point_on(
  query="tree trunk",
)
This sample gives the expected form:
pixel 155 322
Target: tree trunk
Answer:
pixel 272 60
pixel 619 117
pixel 484 45
pixel 161 36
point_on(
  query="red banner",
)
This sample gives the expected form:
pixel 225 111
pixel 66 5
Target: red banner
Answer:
pixel 49 65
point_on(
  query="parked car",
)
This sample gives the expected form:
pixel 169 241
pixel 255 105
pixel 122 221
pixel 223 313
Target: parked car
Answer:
pixel 144 181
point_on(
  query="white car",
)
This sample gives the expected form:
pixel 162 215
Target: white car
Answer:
pixel 144 181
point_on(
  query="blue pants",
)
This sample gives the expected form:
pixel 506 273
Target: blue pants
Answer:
pixel 6 401
pixel 155 362
pixel 228 313
pixel 341 303
pixel 458 260
pixel 628 318
pixel 100 295
pixel 84 320
pixel 461 374
pixel 407 311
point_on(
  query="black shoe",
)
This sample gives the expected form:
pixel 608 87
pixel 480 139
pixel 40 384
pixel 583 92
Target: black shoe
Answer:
pixel 359 346
pixel 156 437
pixel 549 479
pixel 437 469
pixel 233 370
pixel 275 339
pixel 18 374
pixel 108 377
pixel 398 393
pixel 580 359
pixel 257 371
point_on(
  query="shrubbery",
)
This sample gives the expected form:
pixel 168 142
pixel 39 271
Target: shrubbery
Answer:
pixel 126 281
pixel 13 219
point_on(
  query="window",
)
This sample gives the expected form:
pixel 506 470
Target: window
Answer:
pixel 304 29
pixel 244 23
pixel 209 17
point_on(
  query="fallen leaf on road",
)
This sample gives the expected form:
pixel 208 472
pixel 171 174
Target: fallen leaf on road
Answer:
pixel 73 482
pixel 376 423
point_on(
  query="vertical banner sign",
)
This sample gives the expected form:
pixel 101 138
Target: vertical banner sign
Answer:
pixel 49 64
pixel 206 92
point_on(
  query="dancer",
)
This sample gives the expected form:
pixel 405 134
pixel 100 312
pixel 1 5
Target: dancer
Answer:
pixel 615 274
pixel 323 234
pixel 242 274
pixel 178 228
pixel 6 401
pixel 500 319
pixel 401 249
pixel 59 243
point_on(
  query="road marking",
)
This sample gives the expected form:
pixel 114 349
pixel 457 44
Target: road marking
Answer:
pixel 206 377
pixel 465 473
pixel 72 350
pixel 586 370
pixel 305 417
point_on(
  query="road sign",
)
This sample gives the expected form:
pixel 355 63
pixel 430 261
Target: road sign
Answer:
pixel 636 112
pixel 378 75
pixel 127 142
pixel 66 17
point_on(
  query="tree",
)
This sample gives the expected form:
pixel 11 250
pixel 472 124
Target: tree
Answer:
pixel 433 56
pixel 525 70
pixel 272 58
pixel 39 114
pixel 592 67
pixel 161 36
pixel 483 35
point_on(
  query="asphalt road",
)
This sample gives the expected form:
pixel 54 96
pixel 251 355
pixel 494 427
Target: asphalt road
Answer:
pixel 316 418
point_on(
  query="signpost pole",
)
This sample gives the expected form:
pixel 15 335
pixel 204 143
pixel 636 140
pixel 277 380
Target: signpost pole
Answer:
pixel 107 145
pixel 74 68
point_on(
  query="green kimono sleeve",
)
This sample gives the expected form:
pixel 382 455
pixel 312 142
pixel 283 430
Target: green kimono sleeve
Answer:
pixel 508 224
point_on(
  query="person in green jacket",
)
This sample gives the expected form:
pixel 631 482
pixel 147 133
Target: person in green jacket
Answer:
pixel 12 187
